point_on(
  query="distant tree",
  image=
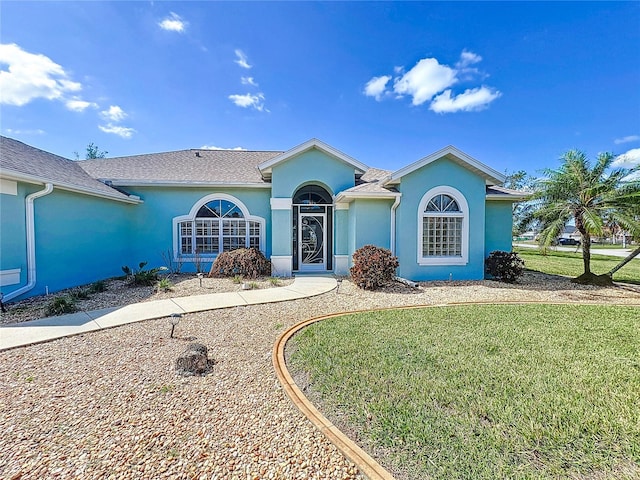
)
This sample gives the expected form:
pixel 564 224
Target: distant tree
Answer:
pixel 92 152
pixel 587 195
pixel 523 182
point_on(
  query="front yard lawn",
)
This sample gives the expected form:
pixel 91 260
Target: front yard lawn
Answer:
pixel 483 392
pixel 570 264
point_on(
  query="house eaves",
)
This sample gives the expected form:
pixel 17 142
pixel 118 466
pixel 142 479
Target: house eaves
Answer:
pixel 491 176
pixel 347 197
pixel 182 183
pixel 266 168
pixel 37 180
pixel 495 192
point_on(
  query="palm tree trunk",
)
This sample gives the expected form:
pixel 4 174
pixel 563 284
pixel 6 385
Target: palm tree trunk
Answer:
pixel 627 259
pixel 586 252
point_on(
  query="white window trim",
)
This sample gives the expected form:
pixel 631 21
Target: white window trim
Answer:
pixel 464 208
pixel 191 216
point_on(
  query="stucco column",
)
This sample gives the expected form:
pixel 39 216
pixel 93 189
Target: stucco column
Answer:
pixel 281 237
pixel 341 238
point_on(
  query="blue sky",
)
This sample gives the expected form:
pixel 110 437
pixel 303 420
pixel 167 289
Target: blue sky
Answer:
pixel 512 84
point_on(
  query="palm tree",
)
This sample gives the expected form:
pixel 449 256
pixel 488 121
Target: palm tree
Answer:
pixel 587 195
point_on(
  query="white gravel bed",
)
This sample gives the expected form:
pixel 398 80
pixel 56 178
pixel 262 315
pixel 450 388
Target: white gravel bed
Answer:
pixel 109 405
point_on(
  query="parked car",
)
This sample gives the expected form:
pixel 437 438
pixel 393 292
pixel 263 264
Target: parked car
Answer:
pixel 568 241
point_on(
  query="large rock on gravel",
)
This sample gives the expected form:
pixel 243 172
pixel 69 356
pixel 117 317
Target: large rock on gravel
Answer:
pixel 194 360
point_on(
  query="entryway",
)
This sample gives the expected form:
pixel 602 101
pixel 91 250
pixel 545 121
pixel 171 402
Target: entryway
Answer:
pixel 312 229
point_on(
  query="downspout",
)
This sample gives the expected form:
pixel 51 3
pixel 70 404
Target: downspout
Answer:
pixel 31 243
pixel 393 223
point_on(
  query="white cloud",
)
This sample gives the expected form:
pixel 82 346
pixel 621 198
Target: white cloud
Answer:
pixel 242 59
pixel 430 81
pixel 424 80
pixel 376 86
pixel 212 147
pixel 629 159
pixel 77 105
pixel 471 100
pixel 627 139
pixel 173 23
pixel 124 132
pixel 114 114
pixel 30 76
pixel 11 131
pixel 248 81
pixel 248 100
pixel 468 58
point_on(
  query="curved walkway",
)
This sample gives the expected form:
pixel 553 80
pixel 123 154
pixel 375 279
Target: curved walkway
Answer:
pixel 45 329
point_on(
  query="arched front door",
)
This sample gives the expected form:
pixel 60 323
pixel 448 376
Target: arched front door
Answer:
pixel 312 229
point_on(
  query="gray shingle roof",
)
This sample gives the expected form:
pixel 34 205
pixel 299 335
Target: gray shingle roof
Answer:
pixel 370 182
pixel 182 167
pixel 496 192
pixel 38 165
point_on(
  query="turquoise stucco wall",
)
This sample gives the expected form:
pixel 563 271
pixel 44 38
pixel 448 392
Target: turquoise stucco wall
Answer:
pixel 341 232
pixel 413 186
pixel 153 220
pixel 370 222
pixel 78 239
pixel 499 220
pixel 13 232
pixel 314 167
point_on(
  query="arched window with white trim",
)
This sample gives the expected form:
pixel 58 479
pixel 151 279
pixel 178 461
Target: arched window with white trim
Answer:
pixel 217 223
pixel 443 227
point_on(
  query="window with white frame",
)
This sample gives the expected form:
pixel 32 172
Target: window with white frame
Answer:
pixel 217 223
pixel 443 228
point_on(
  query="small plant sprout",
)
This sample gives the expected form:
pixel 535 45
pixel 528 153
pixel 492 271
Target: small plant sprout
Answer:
pixel 274 281
pixel 237 279
pixel 174 319
pixel 165 285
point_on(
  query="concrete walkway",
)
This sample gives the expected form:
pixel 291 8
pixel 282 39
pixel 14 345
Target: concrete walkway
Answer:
pixel 36 331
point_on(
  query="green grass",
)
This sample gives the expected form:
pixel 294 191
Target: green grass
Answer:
pixel 485 392
pixel 570 264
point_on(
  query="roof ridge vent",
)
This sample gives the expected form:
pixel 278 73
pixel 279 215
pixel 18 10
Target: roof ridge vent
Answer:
pixel 197 154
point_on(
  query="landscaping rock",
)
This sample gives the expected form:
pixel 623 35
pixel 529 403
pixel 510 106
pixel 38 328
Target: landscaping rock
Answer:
pixel 193 361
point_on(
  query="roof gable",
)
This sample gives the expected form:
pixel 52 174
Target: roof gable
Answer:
pixel 266 167
pixel 491 176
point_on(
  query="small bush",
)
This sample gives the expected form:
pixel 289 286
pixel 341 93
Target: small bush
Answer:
pixel 373 267
pixel 248 262
pixel 141 276
pixel 164 285
pixel 61 305
pixel 97 287
pixel 79 294
pixel 237 279
pixel 504 266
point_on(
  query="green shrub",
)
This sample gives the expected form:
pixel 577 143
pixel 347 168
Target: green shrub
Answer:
pixel 373 267
pixel 141 276
pixel 248 262
pixel 79 294
pixel 61 305
pixel 504 266
pixel 164 285
pixel 97 287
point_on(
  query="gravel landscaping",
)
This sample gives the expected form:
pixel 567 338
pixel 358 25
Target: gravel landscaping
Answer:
pixel 109 404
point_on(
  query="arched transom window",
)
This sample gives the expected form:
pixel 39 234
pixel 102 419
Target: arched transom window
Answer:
pixel 218 225
pixel 443 227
